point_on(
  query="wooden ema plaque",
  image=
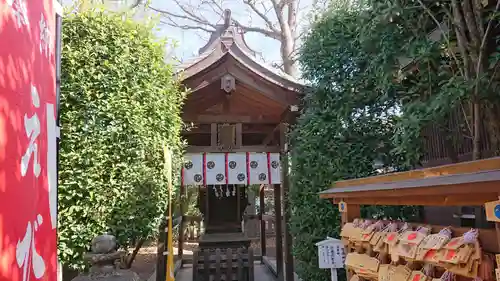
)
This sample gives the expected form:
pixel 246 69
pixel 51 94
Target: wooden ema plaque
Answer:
pixel 407 250
pixel 433 256
pixel 354 278
pixel 366 237
pixel 391 238
pixel 401 273
pixel 379 245
pixel 386 272
pixel 456 251
pixel 463 259
pixel 362 264
pixel 468 270
pixel 413 237
pixel 418 276
pixel 369 229
pixel 408 244
pixel 355 234
pixel 347 230
pixel 434 241
pixel 377 236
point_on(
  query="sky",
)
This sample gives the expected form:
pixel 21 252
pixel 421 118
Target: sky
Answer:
pixel 188 42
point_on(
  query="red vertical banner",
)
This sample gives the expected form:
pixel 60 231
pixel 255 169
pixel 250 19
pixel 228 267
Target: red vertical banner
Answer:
pixel 28 135
pixel 226 166
pixel 269 174
pixel 204 169
pixel 248 168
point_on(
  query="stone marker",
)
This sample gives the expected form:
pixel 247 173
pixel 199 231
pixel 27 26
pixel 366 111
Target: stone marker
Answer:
pixel 103 258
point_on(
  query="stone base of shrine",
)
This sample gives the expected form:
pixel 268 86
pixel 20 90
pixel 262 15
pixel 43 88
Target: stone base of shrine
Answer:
pixel 224 241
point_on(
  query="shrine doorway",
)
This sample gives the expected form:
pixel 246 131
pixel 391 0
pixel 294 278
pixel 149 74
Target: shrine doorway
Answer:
pixel 231 202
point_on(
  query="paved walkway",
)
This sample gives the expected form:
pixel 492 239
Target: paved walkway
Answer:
pixel 186 273
pixel 272 265
pixel 262 272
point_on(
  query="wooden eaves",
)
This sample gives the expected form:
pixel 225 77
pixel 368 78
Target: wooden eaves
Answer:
pixel 468 183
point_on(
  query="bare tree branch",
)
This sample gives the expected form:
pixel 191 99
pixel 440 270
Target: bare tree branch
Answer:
pixel 443 31
pixel 482 48
pixel 196 20
pixel 271 34
pixel 278 9
pixel 216 7
pixel 192 14
pixel 279 66
pixel 292 14
pixel 280 5
pixel 263 16
pixel 478 18
pixel 284 30
pixel 185 26
pixel 462 40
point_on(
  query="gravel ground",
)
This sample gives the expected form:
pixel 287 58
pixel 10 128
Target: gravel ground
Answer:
pixel 145 261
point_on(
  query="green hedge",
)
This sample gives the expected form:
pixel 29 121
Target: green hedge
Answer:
pixel 348 124
pixel 119 105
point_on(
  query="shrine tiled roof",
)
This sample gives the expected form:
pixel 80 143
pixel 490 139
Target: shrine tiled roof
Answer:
pixel 228 42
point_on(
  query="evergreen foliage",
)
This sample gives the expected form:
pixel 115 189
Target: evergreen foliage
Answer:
pixel 120 104
pixel 350 119
pixel 381 72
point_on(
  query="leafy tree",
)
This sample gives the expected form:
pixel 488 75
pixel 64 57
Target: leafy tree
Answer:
pixel 119 106
pixel 461 81
pixel 347 124
pixel 381 72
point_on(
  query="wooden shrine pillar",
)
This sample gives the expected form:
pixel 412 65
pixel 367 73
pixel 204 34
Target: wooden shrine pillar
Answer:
pixel 497 229
pixel 262 223
pixel 289 266
pixel 180 247
pixel 279 231
pixel 352 212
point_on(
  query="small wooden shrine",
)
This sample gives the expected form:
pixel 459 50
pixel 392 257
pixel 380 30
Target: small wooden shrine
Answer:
pixel 236 117
pixel 395 250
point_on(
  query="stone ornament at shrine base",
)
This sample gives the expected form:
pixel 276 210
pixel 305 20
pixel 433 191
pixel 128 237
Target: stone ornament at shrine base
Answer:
pixel 104 259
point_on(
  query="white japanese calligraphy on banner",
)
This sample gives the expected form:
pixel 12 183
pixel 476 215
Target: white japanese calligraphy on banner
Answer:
pixel 26 249
pixel 20 13
pixel 28 141
pixel 32 129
